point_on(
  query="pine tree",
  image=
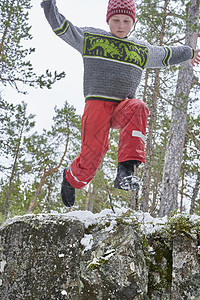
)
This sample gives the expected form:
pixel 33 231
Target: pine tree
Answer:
pixel 29 172
pixel 16 126
pixel 49 151
pixel 15 68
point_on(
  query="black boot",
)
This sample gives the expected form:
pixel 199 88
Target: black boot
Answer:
pixel 125 179
pixel 67 192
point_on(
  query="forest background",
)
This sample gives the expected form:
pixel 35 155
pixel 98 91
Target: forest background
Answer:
pixel 34 149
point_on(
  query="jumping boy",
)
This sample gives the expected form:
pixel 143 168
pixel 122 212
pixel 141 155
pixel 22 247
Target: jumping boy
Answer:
pixel 113 65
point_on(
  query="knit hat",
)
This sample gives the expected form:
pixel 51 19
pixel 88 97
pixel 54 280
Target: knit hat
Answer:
pixel 122 7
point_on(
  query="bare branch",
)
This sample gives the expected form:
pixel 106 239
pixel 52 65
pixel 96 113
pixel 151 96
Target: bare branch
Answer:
pixel 191 135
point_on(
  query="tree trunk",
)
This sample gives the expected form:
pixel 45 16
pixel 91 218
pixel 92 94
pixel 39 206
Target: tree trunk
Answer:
pixel 149 145
pixel 195 193
pixel 134 194
pixel 182 189
pixel 7 203
pixel 88 196
pixel 175 144
pixel 152 123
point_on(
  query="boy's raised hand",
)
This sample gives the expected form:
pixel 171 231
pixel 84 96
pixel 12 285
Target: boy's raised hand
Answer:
pixel 196 59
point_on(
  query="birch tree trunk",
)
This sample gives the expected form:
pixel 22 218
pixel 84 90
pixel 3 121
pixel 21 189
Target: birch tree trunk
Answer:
pixel 177 131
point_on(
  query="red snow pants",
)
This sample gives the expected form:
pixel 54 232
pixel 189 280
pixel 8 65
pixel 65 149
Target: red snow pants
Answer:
pixel 129 115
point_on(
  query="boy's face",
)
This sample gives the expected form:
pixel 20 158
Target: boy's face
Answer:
pixel 120 25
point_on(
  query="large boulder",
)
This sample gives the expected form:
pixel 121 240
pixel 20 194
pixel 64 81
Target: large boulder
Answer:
pixel 80 255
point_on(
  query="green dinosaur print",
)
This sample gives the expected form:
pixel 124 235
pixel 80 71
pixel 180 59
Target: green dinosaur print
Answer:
pixel 115 49
pixel 104 47
pixel 137 54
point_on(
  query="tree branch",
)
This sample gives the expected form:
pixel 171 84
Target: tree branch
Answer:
pixel 46 173
pixel 193 138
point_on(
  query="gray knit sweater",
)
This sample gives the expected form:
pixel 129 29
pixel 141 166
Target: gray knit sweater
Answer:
pixel 112 66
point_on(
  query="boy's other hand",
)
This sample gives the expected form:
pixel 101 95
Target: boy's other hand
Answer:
pixel 196 59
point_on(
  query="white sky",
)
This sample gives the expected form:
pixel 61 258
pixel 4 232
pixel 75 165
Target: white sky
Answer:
pixel 54 54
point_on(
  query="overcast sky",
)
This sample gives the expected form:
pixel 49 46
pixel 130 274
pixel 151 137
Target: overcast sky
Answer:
pixel 54 54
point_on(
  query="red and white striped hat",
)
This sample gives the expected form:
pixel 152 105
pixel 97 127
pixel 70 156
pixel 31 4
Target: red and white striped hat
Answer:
pixel 121 7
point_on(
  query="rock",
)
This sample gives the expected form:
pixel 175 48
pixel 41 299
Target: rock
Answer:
pixel 160 268
pixel 114 266
pixel 41 257
pixel 79 256
pixel 186 272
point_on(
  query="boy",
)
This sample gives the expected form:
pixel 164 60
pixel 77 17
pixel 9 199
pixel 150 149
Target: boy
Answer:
pixel 113 65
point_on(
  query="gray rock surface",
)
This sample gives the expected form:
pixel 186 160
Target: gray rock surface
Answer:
pixel 78 255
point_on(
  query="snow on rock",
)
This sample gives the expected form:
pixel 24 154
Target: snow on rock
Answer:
pixel 87 241
pixel 64 293
pixel 2 266
pixel 61 255
pixel 148 223
pixel 89 219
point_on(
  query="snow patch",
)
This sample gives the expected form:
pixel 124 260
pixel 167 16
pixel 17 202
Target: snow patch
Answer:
pixel 2 266
pixel 151 250
pixel 64 293
pixel 98 261
pixel 87 242
pixel 61 255
pixel 89 219
pixel 132 267
pixel 150 224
